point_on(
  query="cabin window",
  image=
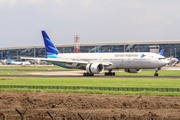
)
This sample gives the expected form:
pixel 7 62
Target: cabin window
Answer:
pixel 161 58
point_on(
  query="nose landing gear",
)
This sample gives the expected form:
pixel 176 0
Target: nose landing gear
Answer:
pixel 156 73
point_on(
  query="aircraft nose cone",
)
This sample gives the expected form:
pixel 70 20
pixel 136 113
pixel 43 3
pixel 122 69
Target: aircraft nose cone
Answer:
pixel 166 62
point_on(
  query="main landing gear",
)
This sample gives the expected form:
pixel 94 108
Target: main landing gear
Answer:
pixel 156 73
pixel 110 73
pixel 88 74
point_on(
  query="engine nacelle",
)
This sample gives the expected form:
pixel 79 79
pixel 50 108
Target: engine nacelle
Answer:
pixel 133 70
pixel 95 68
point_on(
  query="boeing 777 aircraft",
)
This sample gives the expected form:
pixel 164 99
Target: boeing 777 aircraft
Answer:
pixel 96 63
pixel 18 63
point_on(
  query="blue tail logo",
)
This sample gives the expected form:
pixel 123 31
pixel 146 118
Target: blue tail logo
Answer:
pixel 162 51
pixel 143 55
pixel 9 60
pixel 51 50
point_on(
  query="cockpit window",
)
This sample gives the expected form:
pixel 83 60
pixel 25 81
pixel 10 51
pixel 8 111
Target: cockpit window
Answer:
pixel 161 58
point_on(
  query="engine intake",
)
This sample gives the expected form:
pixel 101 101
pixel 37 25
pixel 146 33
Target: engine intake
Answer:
pixel 95 68
pixel 133 70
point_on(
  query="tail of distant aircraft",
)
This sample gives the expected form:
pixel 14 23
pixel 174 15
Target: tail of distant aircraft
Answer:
pixel 9 60
pixel 162 51
pixel 51 50
pixel 99 51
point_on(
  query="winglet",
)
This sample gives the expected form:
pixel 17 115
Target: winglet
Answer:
pixel 51 50
pixel 162 51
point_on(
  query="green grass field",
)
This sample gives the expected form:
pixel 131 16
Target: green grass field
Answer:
pixel 96 82
pixel 16 70
pixel 102 82
pixel 95 92
pixel 99 82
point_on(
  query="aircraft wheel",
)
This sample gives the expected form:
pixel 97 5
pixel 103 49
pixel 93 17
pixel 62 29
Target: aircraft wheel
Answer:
pixel 84 74
pixel 108 74
pixel 156 74
pixel 113 74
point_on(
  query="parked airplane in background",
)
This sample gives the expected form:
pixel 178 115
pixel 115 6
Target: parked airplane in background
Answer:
pixel 96 63
pixel 18 63
pixel 172 61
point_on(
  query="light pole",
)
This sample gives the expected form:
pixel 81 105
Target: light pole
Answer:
pixel 175 52
pixel 17 54
pixel 170 52
pixel 2 55
pixel 34 51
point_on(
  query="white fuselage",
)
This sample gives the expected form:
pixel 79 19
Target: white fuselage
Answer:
pixel 20 63
pixel 118 60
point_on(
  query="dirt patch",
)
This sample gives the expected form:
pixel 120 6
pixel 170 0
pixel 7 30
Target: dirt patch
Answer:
pixel 101 106
pixel 6 79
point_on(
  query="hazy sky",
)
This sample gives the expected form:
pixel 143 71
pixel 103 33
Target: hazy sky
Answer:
pixel 21 21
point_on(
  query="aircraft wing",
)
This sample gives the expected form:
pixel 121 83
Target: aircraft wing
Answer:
pixel 56 60
pixel 80 62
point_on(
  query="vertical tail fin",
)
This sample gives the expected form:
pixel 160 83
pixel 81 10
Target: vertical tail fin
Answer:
pixel 162 51
pixel 9 60
pixel 51 50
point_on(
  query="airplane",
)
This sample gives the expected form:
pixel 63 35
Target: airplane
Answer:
pixel 18 63
pixel 96 63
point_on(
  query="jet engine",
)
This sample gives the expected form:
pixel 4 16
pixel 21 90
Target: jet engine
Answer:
pixel 133 70
pixel 95 68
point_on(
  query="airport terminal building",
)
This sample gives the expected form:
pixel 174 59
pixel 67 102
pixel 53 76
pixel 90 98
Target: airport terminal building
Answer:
pixel 171 49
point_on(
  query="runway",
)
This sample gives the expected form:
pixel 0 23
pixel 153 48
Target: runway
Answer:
pixel 79 74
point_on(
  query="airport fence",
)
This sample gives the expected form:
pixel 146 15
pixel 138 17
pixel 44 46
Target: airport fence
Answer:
pixel 92 88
